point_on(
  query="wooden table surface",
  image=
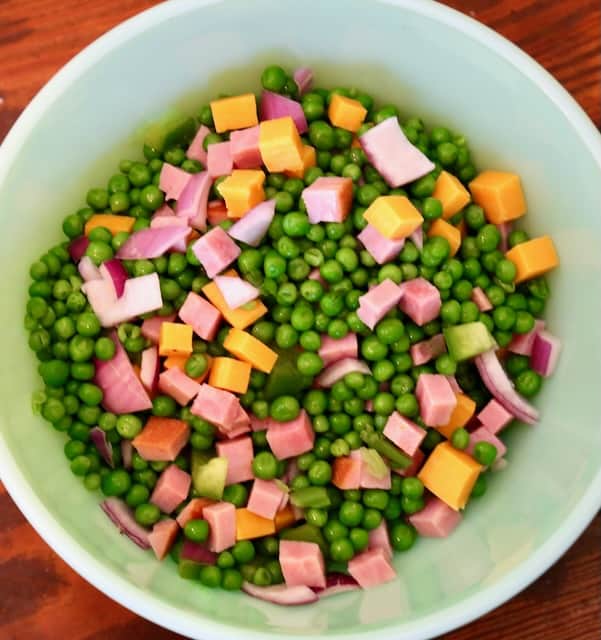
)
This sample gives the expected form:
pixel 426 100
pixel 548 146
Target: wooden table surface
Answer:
pixel 41 598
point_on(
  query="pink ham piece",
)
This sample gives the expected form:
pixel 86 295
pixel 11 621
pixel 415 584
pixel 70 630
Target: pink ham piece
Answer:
pixel 215 251
pixel 436 399
pixel 221 517
pixel 368 479
pixel 175 383
pixel 164 211
pixel 193 510
pixel 149 368
pixel 378 301
pixel 259 424
pixel 328 199
pixel 332 350
pixel 426 350
pixel 239 455
pixel 266 498
pixel 192 204
pixel 217 406
pixel 172 221
pixel 404 433
pixel 454 384
pixel 347 472
pixel 240 425
pixel 480 299
pixel 417 458
pixel 420 300
pixel 338 370
pixel 173 181
pixel 315 274
pixel 545 353
pixel 504 229
pixel 378 246
pixel 219 159
pixel 494 417
pixel 122 390
pixel 151 328
pixel 303 76
pixel 379 539
pixel 201 315
pixel 288 439
pixel 151 243
pixel 436 519
pixel 244 147
pixel 196 150
pixel 371 568
pixel 253 226
pixel 522 343
pixel 302 564
pixel 235 291
pixel 274 106
pixel 482 434
pixel 171 489
pixel 388 149
pixel 417 237
pixel 163 536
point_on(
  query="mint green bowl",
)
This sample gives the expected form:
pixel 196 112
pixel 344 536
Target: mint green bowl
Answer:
pixel 431 61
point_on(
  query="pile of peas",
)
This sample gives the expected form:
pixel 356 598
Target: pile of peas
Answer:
pixel 67 337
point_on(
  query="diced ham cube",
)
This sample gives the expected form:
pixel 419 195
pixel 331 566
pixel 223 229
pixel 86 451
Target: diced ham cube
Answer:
pixel 378 301
pixel 201 315
pixel 266 498
pixel 418 458
pixel 196 150
pixel 193 510
pixel 217 406
pixel 388 149
pixel 315 274
pixel 436 519
pixel 259 424
pixel 332 350
pixel 368 480
pixel 420 300
pixel 171 488
pixel 371 568
pixel 175 383
pixel 245 148
pixel 219 159
pixel 404 433
pixel 171 221
pixel 215 251
pixel 221 517
pixel 436 399
pixel 426 350
pixel 151 328
pixel 240 425
pixel 480 299
pixel 173 181
pixel 161 439
pixel 381 248
pixel 482 434
pixel 346 472
pixel 328 199
pixel 163 536
pixel 379 539
pixel 239 454
pixel 454 384
pixel 302 564
pixel 288 439
pixel 494 416
pixel 522 343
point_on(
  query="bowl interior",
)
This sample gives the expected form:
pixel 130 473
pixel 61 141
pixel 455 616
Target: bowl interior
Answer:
pixel 429 62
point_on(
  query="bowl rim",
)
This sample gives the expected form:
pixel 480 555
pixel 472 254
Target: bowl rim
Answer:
pixel 152 607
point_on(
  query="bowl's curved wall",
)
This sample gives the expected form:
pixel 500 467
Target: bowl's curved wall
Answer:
pixel 432 62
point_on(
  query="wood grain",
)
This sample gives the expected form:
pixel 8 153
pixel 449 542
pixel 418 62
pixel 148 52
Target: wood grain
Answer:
pixel 41 598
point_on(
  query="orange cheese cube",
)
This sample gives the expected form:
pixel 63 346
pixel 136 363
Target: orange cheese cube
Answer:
pixel 394 217
pixel 500 194
pixel 284 518
pixel 113 223
pixel 533 258
pixel 175 339
pixel 280 145
pixel 237 112
pixel 175 361
pixel 242 190
pixel 346 113
pixel 453 195
pixel 462 413
pixel 241 317
pixel 445 230
pixel 249 525
pixel 309 160
pixel 229 374
pixel 247 348
pixel 450 475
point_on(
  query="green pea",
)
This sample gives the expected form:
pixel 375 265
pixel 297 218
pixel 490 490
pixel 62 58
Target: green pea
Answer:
pixel 412 488
pixel 231 580
pixel 460 438
pixel 320 473
pixel 479 488
pixel 371 519
pixel 274 78
pixel 407 405
pixel 211 576
pixel 504 318
pixel 225 560
pixel 485 453
pixel 402 536
pixel 524 322
pixel 351 513
pixel 322 135
pixel 517 237
pixel 528 383
pixel 117 483
pixel 197 530
pixel 90 394
pixel 515 364
pixel 264 466
pixel 128 425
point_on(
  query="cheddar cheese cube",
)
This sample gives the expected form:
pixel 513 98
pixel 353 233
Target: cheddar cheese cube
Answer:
pixel 453 195
pixel 237 112
pixel 280 145
pixel 229 374
pixel 242 190
pixel 462 414
pixel 346 113
pixel 450 475
pixel 452 234
pixel 500 194
pixel 113 223
pixel 241 317
pixel 309 160
pixel 533 258
pixel 249 525
pixel 247 348
pixel 175 339
pixel 178 361
pixel 394 217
